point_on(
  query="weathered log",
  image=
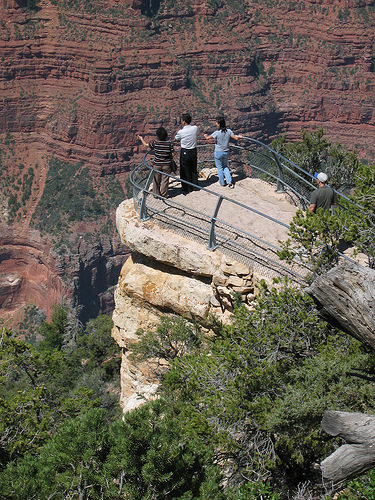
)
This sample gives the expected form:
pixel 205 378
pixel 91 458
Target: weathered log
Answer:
pixel 345 297
pixel 355 458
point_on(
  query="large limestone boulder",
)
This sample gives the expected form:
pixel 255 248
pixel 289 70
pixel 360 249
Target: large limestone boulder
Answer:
pixel 164 246
pixel 166 289
pixel 167 274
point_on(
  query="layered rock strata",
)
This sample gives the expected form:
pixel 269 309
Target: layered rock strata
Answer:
pixel 168 274
pixel 32 271
pixel 79 80
pixel 88 76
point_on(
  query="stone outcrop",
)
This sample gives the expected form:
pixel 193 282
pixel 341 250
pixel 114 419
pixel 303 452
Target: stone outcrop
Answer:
pixel 168 274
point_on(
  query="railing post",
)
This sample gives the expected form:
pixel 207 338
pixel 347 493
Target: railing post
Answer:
pixel 212 238
pixel 280 176
pixel 143 207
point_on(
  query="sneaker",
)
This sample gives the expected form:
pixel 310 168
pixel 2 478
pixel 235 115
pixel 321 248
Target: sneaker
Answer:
pixel 231 186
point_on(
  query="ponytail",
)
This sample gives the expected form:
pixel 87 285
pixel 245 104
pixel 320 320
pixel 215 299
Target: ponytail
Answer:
pixel 221 122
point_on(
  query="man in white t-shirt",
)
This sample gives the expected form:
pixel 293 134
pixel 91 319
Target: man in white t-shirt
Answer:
pixel 188 157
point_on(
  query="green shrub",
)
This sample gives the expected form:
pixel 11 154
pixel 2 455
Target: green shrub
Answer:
pixel 258 389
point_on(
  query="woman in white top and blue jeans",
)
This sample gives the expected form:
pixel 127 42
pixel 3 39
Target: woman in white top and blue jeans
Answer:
pixel 222 137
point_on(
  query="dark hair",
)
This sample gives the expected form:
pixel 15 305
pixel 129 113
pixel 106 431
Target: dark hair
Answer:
pixel 162 134
pixel 186 118
pixel 221 122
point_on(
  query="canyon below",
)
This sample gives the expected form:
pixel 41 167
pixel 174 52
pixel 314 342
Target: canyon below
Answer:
pixel 79 80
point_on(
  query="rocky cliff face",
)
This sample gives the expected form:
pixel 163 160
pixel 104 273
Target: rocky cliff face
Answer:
pixel 168 274
pixel 33 272
pixel 80 78
pixel 27 271
pixel 87 76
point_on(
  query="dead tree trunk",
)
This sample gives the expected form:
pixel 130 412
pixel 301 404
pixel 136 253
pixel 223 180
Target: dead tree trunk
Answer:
pixel 356 457
pixel 345 297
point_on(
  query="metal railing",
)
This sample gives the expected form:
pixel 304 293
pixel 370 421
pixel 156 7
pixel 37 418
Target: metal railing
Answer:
pixel 211 225
pixel 261 161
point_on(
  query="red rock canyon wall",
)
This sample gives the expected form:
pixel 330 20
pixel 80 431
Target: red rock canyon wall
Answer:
pixel 79 79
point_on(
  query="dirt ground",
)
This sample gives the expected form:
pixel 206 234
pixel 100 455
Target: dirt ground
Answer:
pixel 262 200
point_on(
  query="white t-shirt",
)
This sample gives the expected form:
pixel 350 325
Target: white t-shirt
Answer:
pixel 188 136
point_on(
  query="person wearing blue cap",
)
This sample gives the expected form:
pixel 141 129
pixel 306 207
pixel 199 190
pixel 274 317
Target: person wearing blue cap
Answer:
pixel 323 197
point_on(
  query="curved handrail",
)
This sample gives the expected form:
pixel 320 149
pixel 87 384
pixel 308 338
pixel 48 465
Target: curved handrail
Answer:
pixel 290 177
pixel 270 165
pixel 239 241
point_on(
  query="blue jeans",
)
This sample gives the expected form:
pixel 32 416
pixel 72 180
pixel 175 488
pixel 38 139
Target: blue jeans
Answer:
pixel 221 162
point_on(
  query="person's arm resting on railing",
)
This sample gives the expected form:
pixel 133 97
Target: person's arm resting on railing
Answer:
pixel 236 137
